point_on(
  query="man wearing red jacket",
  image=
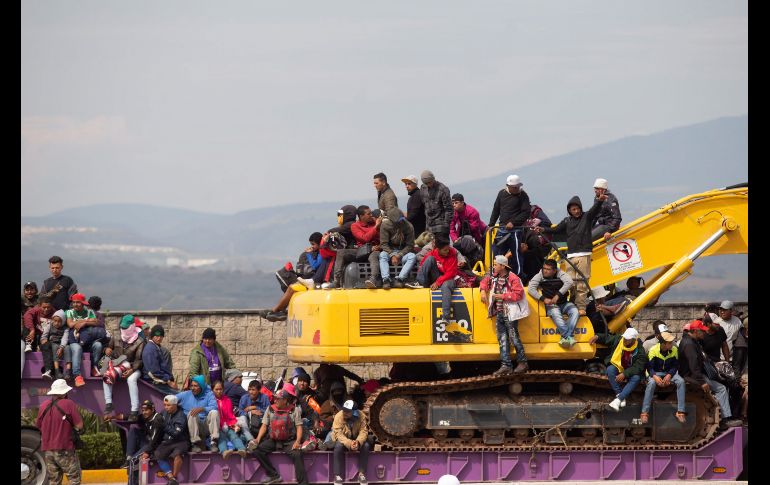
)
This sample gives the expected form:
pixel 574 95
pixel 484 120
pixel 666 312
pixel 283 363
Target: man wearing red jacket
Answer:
pixel 365 231
pixel 503 286
pixel 438 270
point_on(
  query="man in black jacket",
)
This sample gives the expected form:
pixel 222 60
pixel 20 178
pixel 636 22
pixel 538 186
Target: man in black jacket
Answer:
pixel 438 205
pixel 175 440
pixel 609 218
pixel 579 244
pixel 146 434
pixel 58 287
pixel 512 207
pixel 415 210
pixel 691 368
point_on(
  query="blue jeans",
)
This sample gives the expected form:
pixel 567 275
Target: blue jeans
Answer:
pixel 408 259
pixel 76 355
pixel 628 388
pixel 512 244
pixel 228 434
pixel 651 385
pixel 508 332
pixel 556 311
pixel 722 396
pixel 429 273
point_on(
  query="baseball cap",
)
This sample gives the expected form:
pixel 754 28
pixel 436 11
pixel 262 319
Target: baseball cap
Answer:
pixel 501 259
pixel 600 184
pixel 410 178
pixel 726 305
pixel 170 399
pixel 695 325
pixel 667 337
pixel 78 297
pixel 148 404
pixel 630 333
pixel 513 180
pixel 30 284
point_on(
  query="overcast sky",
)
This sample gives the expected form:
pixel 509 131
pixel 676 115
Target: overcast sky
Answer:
pixel 234 105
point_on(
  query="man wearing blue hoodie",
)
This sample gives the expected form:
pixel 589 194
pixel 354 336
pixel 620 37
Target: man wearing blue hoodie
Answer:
pixel 200 406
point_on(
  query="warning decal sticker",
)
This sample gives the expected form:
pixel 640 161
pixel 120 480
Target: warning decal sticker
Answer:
pixel 624 256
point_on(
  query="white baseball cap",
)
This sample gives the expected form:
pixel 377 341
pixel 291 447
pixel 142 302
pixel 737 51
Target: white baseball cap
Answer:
pixel 630 333
pixel 349 405
pixel 513 180
pixel 726 305
pixel 410 178
pixel 170 399
pixel 600 184
pixel 501 259
pixel 599 292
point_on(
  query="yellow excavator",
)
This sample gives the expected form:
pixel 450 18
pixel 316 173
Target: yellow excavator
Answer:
pixel 550 407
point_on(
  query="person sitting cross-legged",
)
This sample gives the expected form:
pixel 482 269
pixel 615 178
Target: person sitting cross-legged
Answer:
pixel 554 284
pixel 625 363
pixel 662 365
pixel 231 430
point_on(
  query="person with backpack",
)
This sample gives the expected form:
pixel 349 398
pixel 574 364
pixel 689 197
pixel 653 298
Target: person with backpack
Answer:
pixel 579 244
pixel 350 432
pixel 281 429
pixel 59 421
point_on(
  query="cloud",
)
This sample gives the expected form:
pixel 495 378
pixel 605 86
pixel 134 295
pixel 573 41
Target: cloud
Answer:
pixel 64 130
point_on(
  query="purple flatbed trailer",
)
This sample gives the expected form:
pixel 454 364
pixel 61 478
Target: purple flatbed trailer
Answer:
pixel 720 459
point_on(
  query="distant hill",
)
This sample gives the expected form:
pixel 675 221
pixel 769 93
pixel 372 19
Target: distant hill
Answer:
pixel 645 172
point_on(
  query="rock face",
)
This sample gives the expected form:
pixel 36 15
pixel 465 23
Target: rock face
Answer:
pixel 257 345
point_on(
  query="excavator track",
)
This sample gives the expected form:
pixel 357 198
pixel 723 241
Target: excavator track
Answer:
pixel 403 415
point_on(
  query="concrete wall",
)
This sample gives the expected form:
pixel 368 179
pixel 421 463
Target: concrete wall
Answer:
pixel 260 346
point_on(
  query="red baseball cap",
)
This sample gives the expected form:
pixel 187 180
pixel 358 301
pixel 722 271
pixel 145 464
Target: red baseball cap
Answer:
pixel 79 297
pixel 695 325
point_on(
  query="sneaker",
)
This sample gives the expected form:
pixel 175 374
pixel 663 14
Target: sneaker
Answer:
pixel 47 375
pixel 277 316
pixel 370 283
pixel 269 480
pixel 386 284
pixel 196 447
pixel 362 479
pixel 58 374
pixel 504 370
pixel 108 408
pixel 252 445
pixel 28 347
pixel 327 286
pixel 563 343
pixel 615 404
pixel 398 283
pixel 242 453
pixel 623 403
pixel 214 447
pixel 337 480
pixel 415 285
pixel 730 423
pixel 227 453
pixel 522 367
pixel 308 282
pixel 263 313
pixel 172 481
pixel 79 382
pixel 571 341
pixel 133 416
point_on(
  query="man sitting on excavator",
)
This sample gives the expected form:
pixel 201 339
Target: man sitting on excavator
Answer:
pixel 625 364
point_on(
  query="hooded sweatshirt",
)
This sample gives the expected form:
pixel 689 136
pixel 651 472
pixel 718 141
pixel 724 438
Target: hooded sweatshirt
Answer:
pixel 396 233
pixel 578 229
pixel 331 406
pixel 348 218
pixel 205 399
pixel 471 215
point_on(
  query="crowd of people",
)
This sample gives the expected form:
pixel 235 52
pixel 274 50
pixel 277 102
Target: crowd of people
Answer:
pixel 435 243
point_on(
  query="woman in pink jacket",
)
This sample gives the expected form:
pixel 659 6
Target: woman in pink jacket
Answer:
pixel 230 430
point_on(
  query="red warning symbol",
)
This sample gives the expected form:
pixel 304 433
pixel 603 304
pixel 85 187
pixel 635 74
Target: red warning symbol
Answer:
pixel 622 251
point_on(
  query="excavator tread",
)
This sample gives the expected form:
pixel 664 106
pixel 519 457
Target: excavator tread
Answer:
pixel 706 429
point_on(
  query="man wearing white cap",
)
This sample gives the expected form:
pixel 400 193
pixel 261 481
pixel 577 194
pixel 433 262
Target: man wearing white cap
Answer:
pixel 658 327
pixel 609 218
pixel 626 363
pixel 729 323
pixel 58 419
pixel 350 432
pixel 415 210
pixel 512 207
pixel 663 363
